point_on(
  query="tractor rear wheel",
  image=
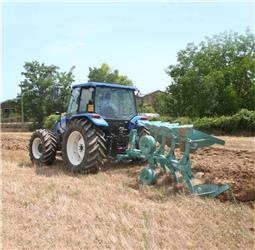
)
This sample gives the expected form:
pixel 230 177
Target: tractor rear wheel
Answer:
pixel 83 147
pixel 101 147
pixel 43 147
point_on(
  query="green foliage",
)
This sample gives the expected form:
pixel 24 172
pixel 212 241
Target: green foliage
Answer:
pixel 50 121
pixel 14 117
pixel 216 77
pixel 45 90
pixel 162 103
pixel 241 122
pixel 146 108
pixel 244 121
pixel 105 74
pixel 34 125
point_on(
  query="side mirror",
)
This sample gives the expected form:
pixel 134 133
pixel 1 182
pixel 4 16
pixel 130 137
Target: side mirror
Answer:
pixel 57 113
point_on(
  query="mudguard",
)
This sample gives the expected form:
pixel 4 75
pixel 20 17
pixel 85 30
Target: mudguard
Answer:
pixel 60 126
pixel 136 122
pixel 96 119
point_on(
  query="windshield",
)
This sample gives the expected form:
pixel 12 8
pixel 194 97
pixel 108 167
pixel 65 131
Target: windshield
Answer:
pixel 113 103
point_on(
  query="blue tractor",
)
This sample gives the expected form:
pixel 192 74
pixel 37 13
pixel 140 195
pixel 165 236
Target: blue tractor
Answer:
pixel 102 123
pixel 96 128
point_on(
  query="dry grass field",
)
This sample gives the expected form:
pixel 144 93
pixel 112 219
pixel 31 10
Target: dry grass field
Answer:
pixel 51 208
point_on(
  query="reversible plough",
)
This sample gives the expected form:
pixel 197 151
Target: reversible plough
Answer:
pixel 158 150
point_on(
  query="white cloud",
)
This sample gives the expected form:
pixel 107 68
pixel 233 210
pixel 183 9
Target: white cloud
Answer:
pixel 64 48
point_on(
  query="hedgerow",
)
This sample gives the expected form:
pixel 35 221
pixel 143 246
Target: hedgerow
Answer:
pixel 241 122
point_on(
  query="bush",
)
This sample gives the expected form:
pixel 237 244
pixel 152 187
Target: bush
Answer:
pixel 50 121
pixel 241 122
pixel 14 117
pixel 146 109
pixel 183 120
pixel 34 125
pixel 163 119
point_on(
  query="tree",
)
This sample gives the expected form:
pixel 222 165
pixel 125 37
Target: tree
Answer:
pixel 216 77
pixel 105 74
pixel 45 90
pixel 163 103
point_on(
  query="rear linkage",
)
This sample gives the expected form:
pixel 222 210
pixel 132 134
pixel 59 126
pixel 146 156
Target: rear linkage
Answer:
pixel 152 149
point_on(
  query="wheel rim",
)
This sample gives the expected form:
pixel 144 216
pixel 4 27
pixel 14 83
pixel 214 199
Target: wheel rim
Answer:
pixel 75 148
pixel 37 148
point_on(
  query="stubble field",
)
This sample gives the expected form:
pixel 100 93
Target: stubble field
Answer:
pixel 51 208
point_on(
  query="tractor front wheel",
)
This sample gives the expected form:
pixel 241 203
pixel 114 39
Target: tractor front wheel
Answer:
pixel 43 147
pixel 81 149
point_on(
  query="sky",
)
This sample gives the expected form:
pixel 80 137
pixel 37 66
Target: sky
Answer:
pixel 139 39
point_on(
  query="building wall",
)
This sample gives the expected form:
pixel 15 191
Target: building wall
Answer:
pixel 139 101
pixel 7 108
pixel 148 99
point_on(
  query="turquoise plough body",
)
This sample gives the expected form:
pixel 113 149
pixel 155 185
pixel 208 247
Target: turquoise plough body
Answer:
pixel 173 136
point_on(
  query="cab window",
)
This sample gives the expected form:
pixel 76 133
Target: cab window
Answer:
pixel 86 96
pixel 115 103
pixel 74 101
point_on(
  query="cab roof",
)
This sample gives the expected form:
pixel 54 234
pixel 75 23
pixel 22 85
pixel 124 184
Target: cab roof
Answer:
pixel 103 84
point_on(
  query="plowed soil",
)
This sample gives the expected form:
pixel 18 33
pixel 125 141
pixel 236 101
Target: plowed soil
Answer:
pixel 234 167
pixel 217 165
pixel 15 141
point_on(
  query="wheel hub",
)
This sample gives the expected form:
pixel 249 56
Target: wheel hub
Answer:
pixel 37 148
pixel 40 148
pixel 81 149
pixel 75 148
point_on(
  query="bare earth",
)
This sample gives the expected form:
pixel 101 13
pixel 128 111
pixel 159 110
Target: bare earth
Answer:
pixel 50 208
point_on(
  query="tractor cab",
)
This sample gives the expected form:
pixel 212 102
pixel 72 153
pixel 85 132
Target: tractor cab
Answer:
pixel 111 101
